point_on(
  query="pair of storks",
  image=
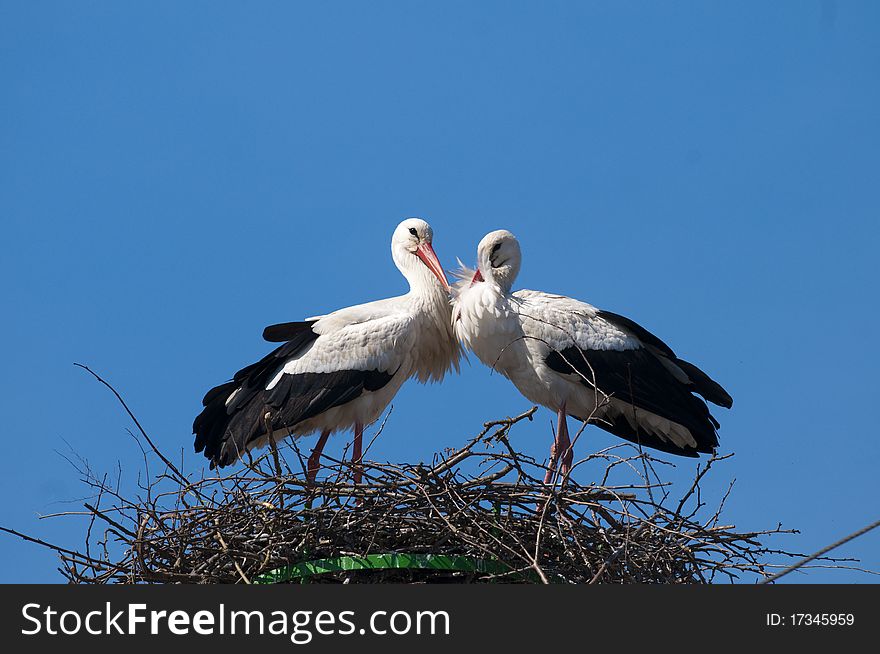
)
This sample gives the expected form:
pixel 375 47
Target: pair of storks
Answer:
pixel 341 370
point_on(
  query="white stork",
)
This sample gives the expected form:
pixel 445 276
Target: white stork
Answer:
pixel 580 361
pixel 341 370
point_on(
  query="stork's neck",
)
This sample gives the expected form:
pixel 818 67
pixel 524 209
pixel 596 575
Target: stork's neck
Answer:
pixel 437 348
pixel 500 278
pixel 432 300
pixel 422 281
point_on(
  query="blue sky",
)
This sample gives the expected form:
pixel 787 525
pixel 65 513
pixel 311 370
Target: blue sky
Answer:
pixel 175 176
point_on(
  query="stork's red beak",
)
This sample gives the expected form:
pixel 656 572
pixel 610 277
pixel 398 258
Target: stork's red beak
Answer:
pixel 426 253
pixel 478 277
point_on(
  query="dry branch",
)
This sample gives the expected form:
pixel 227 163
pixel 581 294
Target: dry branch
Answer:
pixel 483 503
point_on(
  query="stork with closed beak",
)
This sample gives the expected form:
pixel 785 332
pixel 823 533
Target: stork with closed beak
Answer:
pixel 578 360
pixel 337 371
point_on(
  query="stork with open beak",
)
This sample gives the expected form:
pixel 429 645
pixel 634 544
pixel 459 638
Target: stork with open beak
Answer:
pixel 577 360
pixel 337 371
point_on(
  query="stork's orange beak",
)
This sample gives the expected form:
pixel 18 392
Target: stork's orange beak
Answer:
pixel 426 253
pixel 478 277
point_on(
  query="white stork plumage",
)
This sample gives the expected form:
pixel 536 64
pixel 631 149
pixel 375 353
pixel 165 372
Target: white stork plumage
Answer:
pixel 340 370
pixel 580 361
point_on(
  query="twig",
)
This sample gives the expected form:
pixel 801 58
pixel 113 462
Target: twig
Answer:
pixel 822 552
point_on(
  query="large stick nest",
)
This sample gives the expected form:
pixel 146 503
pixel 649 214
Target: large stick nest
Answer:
pixel 484 504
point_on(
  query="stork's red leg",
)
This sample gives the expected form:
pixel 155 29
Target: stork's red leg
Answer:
pixel 566 451
pixel 561 445
pixel 314 463
pixel 356 451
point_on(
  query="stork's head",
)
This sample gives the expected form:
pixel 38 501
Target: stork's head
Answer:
pixel 412 252
pixel 498 259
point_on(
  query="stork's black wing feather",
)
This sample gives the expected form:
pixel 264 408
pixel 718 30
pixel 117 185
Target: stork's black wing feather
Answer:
pixel 294 399
pixel 640 379
pixel 286 331
pixel 705 385
pixel 226 427
pixel 700 382
pixel 212 424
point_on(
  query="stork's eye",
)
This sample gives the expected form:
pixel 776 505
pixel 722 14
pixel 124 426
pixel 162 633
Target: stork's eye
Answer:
pixel 412 230
pixel 495 248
